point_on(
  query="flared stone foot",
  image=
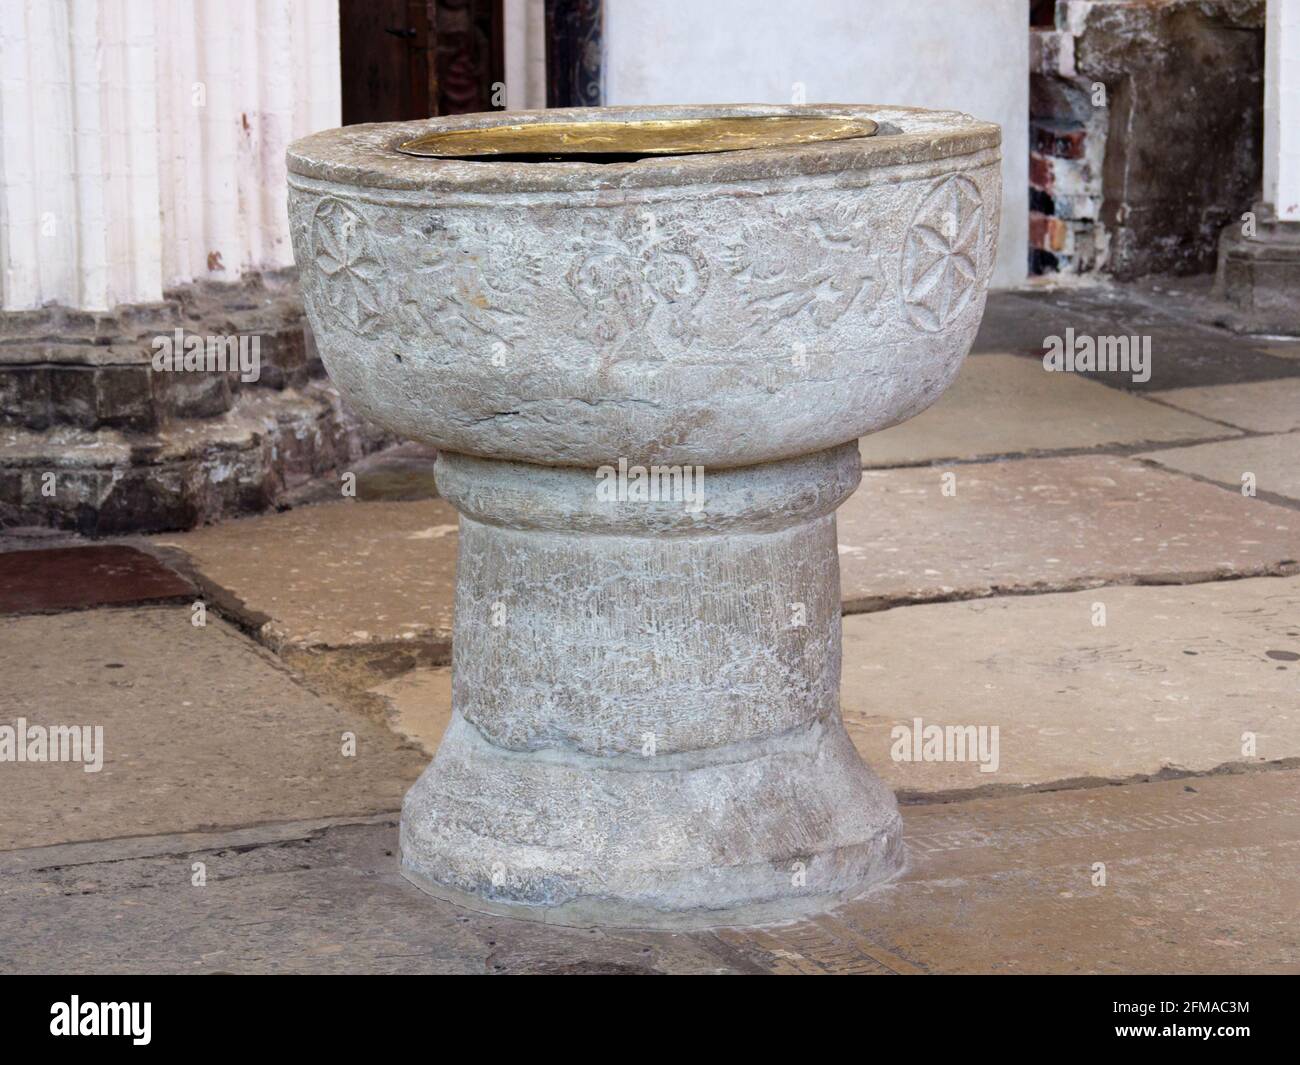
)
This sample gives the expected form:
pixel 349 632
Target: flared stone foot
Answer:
pixel 770 831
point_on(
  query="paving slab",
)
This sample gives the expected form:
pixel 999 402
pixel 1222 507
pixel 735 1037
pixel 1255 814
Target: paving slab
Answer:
pixel 928 533
pixel 1011 405
pixel 1282 348
pixel 396 474
pixel 75 578
pixel 1188 347
pixel 399 474
pixel 419 705
pixel 349 575
pixel 1200 876
pixel 201 727
pixel 1260 406
pixel 322 899
pixel 334 575
pixel 1178 679
pixel 1274 461
pixel 1187 356
pixel 1013 321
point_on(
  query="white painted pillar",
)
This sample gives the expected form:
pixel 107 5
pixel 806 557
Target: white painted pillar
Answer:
pixel 34 93
pixel 525 48
pixel 142 141
pixel 1282 109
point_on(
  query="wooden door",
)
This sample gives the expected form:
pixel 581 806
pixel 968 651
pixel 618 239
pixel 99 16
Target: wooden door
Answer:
pixel 407 59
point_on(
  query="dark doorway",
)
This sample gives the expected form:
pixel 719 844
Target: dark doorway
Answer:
pixel 406 59
pixel 575 53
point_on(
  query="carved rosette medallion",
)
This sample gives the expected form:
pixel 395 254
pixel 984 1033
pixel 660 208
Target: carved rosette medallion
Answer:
pixel 352 270
pixel 942 253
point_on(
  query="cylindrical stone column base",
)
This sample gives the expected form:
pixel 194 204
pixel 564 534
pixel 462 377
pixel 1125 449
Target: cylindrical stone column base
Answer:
pixel 646 726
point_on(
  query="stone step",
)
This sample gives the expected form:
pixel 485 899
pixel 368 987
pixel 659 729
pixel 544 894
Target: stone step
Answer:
pixel 96 370
pixel 104 387
pixel 105 482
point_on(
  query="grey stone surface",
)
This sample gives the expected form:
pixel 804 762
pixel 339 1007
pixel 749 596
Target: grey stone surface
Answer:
pixel 598 774
pixel 340 574
pixel 1190 348
pixel 1010 405
pixel 1260 406
pixel 618 750
pixel 201 728
pixel 1174 681
pixel 1202 877
pixel 1030 525
pixel 1274 462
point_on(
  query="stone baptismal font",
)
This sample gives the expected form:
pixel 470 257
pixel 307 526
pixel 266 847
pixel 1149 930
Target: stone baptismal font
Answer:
pixel 645 341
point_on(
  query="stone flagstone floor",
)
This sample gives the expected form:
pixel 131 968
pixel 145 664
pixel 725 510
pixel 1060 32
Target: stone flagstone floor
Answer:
pixel 1070 558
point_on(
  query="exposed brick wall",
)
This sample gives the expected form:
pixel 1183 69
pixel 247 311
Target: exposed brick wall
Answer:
pixel 1145 132
pixel 1067 142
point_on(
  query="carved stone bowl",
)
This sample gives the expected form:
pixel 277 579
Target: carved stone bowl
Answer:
pixel 646 725
pixel 725 308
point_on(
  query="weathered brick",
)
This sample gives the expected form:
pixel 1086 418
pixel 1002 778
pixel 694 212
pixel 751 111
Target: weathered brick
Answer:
pixel 1041 172
pixel 1038 236
pixel 1059 140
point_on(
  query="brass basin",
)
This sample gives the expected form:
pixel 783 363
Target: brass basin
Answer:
pixel 686 136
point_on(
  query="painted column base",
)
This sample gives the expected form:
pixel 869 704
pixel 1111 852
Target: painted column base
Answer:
pixel 1259 276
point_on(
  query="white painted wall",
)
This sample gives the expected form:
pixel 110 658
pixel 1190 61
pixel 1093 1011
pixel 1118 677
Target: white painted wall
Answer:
pixel 963 55
pixel 1282 108
pixel 142 141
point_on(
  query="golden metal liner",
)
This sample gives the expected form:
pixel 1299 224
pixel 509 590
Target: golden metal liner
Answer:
pixel 682 136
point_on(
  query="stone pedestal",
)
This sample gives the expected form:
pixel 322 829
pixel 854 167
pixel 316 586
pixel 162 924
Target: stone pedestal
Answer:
pixel 647 700
pixel 646 725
